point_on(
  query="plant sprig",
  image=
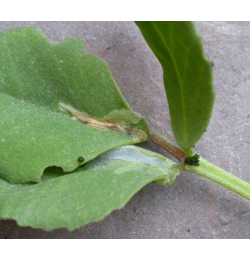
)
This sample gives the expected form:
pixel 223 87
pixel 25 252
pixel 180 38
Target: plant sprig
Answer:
pixel 189 89
pixel 66 157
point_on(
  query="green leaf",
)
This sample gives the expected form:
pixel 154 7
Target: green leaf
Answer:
pixel 76 199
pixel 187 77
pixel 33 138
pixel 38 80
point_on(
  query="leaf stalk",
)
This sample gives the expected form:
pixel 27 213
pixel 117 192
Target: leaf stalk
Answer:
pixel 167 145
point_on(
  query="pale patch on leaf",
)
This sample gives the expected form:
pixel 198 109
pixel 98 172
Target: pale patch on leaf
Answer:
pixel 118 120
pixel 123 116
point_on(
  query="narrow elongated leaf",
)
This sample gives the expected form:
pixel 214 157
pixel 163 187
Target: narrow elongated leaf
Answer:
pixel 43 85
pixel 76 199
pixel 187 77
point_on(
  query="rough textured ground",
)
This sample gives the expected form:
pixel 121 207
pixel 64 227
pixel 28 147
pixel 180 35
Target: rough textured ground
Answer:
pixel 192 207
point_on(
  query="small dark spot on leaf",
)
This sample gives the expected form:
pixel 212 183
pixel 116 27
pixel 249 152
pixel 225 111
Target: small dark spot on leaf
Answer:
pixel 212 63
pixel 80 159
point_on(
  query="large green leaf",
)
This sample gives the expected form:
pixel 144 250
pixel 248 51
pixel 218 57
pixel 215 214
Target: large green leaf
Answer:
pixel 76 199
pixel 39 79
pixel 187 77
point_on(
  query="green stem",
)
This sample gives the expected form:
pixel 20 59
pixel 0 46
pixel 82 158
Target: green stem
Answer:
pixel 205 168
pixel 220 176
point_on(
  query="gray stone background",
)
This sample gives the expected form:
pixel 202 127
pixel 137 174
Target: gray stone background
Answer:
pixel 192 207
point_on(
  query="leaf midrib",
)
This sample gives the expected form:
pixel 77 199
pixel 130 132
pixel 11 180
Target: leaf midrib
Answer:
pixel 179 81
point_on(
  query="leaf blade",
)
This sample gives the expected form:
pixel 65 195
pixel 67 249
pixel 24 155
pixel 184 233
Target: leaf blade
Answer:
pixel 33 138
pixel 187 77
pixel 89 194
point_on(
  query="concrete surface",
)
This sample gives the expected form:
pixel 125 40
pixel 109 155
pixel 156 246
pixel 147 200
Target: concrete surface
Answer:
pixel 192 207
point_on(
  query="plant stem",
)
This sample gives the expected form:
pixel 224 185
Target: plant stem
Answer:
pixel 220 176
pixel 164 143
pixel 205 168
